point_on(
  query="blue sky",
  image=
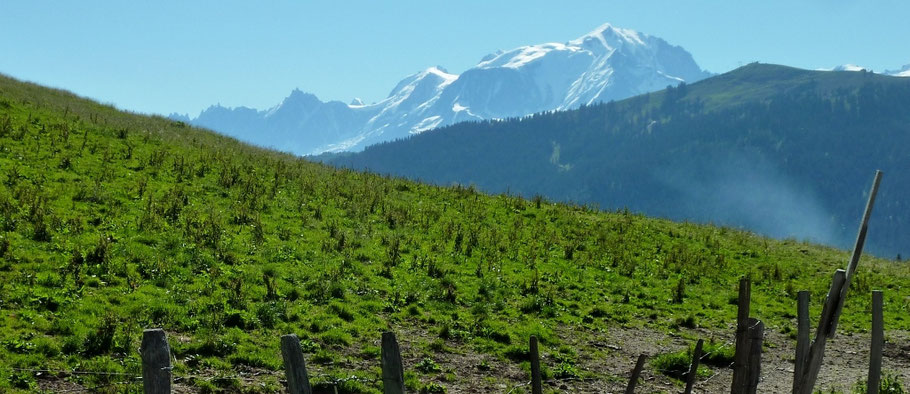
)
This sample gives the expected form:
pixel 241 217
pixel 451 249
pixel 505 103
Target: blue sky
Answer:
pixel 182 56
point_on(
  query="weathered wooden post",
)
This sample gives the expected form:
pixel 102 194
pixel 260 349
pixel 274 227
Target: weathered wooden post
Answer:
pixel 693 368
pixel 878 341
pixel 817 349
pixel 294 365
pixel 392 371
pixel 636 372
pixel 536 381
pixel 802 339
pixel 741 353
pixel 756 338
pixel 857 251
pixel 834 303
pixel 156 362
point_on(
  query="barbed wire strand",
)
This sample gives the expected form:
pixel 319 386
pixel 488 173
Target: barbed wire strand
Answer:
pixel 72 372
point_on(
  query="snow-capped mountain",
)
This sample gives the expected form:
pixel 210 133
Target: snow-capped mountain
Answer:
pixel 846 67
pixel 903 72
pixel 608 63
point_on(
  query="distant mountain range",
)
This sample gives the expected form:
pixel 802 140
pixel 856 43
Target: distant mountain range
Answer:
pixel 609 63
pixel 902 72
pixel 781 151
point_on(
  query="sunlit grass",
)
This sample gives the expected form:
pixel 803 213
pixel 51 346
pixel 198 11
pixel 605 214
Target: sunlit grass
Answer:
pixel 113 222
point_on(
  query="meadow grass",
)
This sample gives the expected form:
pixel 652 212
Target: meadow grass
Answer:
pixel 112 222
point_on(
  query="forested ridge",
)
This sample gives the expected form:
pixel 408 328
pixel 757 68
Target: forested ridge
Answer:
pixel 777 150
pixel 112 222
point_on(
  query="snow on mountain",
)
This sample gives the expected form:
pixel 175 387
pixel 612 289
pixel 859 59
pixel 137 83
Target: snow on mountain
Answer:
pixel 608 63
pixel 903 72
pixel 848 67
pixel 411 107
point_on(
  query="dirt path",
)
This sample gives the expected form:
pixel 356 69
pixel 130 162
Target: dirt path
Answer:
pixel 846 362
pixel 466 371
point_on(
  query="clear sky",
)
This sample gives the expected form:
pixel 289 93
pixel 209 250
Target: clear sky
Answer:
pixel 182 56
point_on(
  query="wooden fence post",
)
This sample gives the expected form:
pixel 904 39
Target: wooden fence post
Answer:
pixel 294 365
pixel 802 339
pixel 636 372
pixel 857 251
pixel 536 381
pixel 817 349
pixel 392 371
pixel 156 362
pixel 693 368
pixel 756 338
pixel 741 353
pixel 878 341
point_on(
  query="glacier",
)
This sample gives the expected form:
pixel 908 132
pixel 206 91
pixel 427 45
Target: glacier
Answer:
pixel 608 63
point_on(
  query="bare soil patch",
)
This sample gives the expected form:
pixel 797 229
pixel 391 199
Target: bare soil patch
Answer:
pixel 611 356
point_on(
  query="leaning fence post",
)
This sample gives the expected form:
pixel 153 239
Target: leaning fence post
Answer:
pixel 392 371
pixel 878 341
pixel 817 349
pixel 857 251
pixel 756 338
pixel 802 339
pixel 156 362
pixel 294 365
pixel 741 352
pixel 636 372
pixel 693 368
pixel 536 381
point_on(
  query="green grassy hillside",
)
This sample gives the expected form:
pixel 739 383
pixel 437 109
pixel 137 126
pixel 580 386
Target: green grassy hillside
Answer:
pixel 773 149
pixel 113 222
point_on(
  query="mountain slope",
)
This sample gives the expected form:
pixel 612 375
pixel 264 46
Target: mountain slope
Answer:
pixel 112 222
pixel 608 63
pixel 778 150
